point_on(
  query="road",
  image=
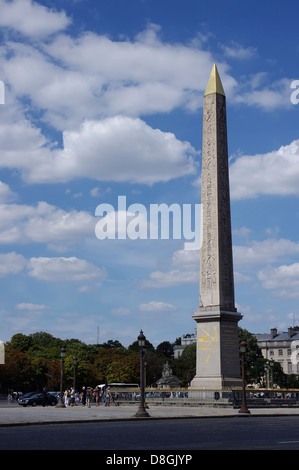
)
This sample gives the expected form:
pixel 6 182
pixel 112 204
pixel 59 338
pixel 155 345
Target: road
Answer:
pixel 229 433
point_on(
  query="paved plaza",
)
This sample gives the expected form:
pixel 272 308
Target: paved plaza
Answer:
pixel 17 415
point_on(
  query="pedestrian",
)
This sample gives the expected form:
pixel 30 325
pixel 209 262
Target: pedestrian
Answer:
pixel 83 396
pixel 45 396
pixel 72 396
pixel 97 396
pixel 107 396
pixel 66 398
pixel 88 396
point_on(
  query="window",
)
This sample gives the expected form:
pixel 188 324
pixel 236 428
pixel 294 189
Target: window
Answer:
pixel 280 352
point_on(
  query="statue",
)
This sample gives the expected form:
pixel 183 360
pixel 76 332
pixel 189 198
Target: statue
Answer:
pixel 168 380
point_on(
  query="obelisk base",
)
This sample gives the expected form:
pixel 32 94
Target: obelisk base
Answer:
pixel 217 352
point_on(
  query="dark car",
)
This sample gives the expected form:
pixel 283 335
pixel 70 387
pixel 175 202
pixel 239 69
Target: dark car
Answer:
pixel 27 395
pixel 38 399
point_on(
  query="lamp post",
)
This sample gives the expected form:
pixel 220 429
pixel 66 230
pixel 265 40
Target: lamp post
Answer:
pixel 243 410
pixel 60 404
pixel 75 362
pixel 271 371
pixel 268 368
pixel 141 413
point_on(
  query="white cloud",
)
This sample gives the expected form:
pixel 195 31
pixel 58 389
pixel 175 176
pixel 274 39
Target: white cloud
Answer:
pixel 266 95
pixel 11 263
pixel 273 173
pixel 236 51
pixel 64 269
pixel 283 280
pixel 96 104
pixel 65 82
pixel 138 152
pixel 175 277
pixel 31 307
pixel 155 306
pixel 44 223
pixel 31 18
pixel 184 269
pixel 120 311
pixel 264 252
pixel 6 193
pixel 242 232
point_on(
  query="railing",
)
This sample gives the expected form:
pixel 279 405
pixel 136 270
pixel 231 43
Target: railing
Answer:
pixel 255 398
pixel 194 397
pixel 179 397
pixel 265 398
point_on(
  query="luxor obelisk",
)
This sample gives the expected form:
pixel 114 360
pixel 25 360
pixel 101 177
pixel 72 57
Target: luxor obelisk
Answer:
pixel 217 361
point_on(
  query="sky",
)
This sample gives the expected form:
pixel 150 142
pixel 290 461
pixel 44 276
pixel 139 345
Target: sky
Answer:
pixel 104 99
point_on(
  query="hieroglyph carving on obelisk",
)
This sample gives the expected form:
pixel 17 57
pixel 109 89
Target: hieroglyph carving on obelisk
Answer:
pixel 216 265
pixel 217 318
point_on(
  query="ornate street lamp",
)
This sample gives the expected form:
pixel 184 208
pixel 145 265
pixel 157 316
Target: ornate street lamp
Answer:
pixel 243 410
pixel 60 404
pixel 75 362
pixel 271 372
pixel 141 413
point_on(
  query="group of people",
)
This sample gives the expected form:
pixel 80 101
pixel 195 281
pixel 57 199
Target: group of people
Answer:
pixel 87 396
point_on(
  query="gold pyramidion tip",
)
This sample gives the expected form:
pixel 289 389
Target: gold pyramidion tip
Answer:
pixel 214 84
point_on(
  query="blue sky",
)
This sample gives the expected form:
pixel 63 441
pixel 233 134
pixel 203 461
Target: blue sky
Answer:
pixel 104 99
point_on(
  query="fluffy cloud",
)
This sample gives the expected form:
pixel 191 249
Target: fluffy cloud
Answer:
pixel 236 51
pixel 264 252
pixel 283 280
pixel 155 306
pixel 184 269
pixel 31 307
pixel 43 223
pixel 273 173
pixel 97 104
pixel 65 82
pixel 11 263
pixel 5 193
pixel 50 269
pixel 114 149
pixel 64 269
pixel 31 18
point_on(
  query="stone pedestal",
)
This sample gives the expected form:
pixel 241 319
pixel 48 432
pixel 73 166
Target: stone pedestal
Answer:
pixel 217 361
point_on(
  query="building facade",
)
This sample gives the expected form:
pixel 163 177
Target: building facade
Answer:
pixel 185 340
pixel 282 347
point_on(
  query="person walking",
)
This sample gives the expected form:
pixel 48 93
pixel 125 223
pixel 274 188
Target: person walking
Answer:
pixel 45 396
pixel 107 396
pixel 72 396
pixel 83 396
pixel 97 396
pixel 88 396
pixel 66 398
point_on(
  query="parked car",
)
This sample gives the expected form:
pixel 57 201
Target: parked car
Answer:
pixel 55 394
pixel 38 399
pixel 27 395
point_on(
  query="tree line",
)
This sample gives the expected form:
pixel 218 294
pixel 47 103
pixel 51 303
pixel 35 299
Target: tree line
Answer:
pixel 33 362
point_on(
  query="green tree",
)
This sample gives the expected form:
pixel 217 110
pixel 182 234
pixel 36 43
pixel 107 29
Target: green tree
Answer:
pixel 21 342
pixel 165 348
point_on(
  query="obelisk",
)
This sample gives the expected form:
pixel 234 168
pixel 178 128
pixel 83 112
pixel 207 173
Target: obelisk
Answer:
pixel 217 361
